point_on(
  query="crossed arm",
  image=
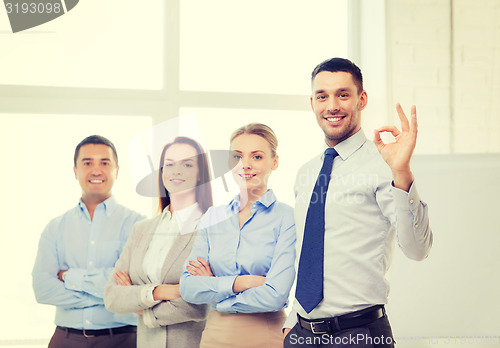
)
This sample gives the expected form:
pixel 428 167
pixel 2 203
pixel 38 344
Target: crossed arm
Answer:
pixel 241 293
pixel 241 283
pixel 164 307
pixel 82 288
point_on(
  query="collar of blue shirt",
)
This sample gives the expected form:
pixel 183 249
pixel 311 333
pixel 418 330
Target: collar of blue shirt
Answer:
pixel 266 200
pixel 109 205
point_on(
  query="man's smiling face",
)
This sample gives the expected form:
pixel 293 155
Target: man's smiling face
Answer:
pixel 96 170
pixel 337 105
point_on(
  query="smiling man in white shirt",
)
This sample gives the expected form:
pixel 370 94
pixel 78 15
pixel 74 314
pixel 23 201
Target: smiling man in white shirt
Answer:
pixel 346 225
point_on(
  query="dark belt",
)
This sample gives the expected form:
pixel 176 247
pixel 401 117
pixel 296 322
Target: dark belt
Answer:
pixel 101 332
pixel 343 322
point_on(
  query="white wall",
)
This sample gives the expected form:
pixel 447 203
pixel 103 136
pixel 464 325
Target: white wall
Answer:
pixel 444 56
pixel 454 292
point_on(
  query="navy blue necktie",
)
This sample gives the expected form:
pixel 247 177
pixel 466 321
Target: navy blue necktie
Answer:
pixel 309 290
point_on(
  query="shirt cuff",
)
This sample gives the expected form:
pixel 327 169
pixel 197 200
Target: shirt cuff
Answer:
pixel 225 305
pixel 148 318
pixel 225 287
pixel 147 296
pixel 406 200
pixel 73 279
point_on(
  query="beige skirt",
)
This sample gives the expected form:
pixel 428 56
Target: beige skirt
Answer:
pixel 243 330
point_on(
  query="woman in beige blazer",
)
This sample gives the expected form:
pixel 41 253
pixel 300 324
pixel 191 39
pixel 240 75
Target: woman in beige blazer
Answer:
pixel 146 277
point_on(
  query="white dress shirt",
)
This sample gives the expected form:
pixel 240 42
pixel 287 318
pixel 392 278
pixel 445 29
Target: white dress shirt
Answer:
pixel 363 214
pixel 167 230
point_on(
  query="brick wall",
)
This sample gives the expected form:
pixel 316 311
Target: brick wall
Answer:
pixel 444 56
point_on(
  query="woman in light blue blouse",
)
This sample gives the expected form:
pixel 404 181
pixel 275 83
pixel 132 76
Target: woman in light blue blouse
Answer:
pixel 242 262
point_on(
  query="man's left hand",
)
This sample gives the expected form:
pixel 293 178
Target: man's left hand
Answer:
pixel 398 154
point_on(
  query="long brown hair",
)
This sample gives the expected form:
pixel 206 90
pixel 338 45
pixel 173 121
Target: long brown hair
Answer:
pixel 203 189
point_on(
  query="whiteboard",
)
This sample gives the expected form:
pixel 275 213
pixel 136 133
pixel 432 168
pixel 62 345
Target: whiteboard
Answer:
pixel 456 290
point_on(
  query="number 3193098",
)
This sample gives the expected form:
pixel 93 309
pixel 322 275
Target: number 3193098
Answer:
pixel 33 8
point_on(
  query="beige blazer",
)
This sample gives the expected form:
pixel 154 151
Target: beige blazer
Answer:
pixel 177 323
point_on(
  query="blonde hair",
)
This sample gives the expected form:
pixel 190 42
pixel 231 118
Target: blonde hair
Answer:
pixel 261 130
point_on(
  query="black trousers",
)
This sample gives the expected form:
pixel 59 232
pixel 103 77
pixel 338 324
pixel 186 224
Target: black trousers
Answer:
pixel 64 339
pixel 377 334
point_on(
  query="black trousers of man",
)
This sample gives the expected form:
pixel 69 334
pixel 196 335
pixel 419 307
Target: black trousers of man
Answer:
pixel 62 338
pixel 377 334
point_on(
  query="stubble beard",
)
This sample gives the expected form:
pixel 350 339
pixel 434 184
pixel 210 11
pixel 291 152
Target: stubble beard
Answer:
pixel 336 137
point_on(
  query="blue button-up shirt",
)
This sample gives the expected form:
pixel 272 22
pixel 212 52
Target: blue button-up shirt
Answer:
pixel 88 249
pixel 264 246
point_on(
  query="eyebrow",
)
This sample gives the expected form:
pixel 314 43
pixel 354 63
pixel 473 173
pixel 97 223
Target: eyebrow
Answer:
pixel 238 151
pixel 342 89
pixel 92 159
pixel 183 160
pixel 345 89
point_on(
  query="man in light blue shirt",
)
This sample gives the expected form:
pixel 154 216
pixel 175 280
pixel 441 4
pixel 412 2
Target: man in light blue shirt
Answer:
pixel 77 253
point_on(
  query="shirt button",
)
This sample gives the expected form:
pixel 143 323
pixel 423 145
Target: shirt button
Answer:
pixel 90 222
pixel 91 263
pixel 416 225
pixel 95 293
pixel 87 321
pixel 92 242
pixel 411 201
pixel 74 286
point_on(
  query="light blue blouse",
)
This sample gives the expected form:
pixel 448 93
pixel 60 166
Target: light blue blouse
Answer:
pixel 264 246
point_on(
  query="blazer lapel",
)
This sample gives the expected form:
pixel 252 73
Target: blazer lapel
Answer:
pixel 181 242
pixel 148 232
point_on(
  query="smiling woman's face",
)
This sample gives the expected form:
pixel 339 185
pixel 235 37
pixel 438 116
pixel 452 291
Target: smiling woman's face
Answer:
pixel 180 169
pixel 253 162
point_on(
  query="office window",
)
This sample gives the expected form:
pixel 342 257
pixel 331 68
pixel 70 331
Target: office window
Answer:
pixel 258 46
pixel 122 67
pixel 38 184
pixel 98 44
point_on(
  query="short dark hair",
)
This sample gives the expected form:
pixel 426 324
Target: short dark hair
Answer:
pixel 95 139
pixel 340 64
pixel 203 189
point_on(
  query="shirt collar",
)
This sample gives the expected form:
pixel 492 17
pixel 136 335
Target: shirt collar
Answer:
pixel 347 147
pixel 267 199
pixel 180 217
pixel 165 214
pixel 109 205
pixel 181 214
